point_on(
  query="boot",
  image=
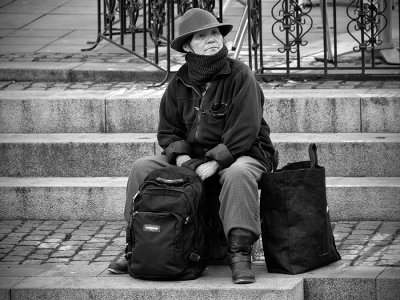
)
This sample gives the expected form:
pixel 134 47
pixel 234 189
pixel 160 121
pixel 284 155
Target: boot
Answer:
pixel 240 244
pixel 118 267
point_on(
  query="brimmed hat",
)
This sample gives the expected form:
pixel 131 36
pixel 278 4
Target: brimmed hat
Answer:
pixel 194 20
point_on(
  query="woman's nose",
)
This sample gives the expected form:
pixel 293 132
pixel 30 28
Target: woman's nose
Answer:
pixel 211 39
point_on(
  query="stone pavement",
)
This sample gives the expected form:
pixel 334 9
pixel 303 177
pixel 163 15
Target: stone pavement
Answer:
pixel 60 242
pixel 71 242
pixel 120 86
pixel 68 260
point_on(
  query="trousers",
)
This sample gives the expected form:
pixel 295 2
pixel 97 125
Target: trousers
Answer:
pixel 239 199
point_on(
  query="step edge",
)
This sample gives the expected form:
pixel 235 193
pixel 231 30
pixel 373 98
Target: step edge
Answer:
pixel 331 182
pixel 279 137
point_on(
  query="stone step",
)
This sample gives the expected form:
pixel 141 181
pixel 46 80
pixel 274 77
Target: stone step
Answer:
pixel 215 283
pixel 334 281
pixel 136 110
pixel 99 155
pixel 103 198
pixel 79 71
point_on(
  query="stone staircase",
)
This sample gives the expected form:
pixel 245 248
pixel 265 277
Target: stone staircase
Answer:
pixel 65 155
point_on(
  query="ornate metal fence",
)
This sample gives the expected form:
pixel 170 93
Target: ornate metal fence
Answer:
pixel 356 45
pixel 285 38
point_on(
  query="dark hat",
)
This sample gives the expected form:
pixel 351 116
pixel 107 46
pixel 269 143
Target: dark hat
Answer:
pixel 194 20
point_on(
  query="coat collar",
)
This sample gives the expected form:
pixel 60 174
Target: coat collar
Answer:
pixel 183 74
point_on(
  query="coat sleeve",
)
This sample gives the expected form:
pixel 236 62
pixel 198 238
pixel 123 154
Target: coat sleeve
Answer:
pixel 171 132
pixel 243 121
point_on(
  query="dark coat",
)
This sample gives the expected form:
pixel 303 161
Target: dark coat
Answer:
pixel 223 124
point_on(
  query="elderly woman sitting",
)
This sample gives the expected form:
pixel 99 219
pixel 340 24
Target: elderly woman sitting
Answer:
pixel 213 108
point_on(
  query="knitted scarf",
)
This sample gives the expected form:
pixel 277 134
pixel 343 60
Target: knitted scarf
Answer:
pixel 202 68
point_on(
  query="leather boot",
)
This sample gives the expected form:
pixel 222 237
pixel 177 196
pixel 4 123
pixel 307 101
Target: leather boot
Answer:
pixel 240 244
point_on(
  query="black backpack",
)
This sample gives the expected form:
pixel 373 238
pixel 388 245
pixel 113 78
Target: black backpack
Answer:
pixel 167 234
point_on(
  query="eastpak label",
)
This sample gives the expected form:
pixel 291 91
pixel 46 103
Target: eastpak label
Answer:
pixel 151 228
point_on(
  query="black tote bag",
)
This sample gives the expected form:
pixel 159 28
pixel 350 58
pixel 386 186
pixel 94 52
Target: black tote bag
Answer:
pixel 296 229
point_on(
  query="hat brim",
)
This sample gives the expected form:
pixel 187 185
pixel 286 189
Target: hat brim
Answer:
pixel 178 42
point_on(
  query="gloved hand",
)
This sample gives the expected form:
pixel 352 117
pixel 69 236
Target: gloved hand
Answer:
pixel 180 159
pixel 207 169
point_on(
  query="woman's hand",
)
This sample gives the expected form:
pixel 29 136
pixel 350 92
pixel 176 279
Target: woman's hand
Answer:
pixel 207 169
pixel 180 159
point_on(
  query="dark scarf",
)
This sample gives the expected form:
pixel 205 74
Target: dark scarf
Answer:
pixel 202 68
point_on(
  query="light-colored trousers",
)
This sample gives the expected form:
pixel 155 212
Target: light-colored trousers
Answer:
pixel 239 199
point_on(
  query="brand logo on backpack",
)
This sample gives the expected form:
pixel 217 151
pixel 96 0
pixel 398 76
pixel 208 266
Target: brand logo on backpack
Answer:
pixel 151 228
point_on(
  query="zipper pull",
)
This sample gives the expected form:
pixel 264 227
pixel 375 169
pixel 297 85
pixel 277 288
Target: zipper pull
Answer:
pixel 133 200
pixel 134 197
pixel 187 220
pixel 199 111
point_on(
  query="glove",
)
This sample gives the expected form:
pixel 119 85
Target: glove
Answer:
pixel 180 159
pixel 207 169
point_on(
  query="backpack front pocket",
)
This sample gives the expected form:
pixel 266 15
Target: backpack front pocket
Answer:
pixel 157 242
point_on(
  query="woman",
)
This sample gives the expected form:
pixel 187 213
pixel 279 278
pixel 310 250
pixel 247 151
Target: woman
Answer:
pixel 212 108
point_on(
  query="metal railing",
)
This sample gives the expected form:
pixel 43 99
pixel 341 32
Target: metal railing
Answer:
pixel 361 45
pixel 277 38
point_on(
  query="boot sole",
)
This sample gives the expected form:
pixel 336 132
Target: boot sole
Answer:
pixel 116 271
pixel 244 280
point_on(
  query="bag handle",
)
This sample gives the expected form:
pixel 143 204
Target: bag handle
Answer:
pixel 275 160
pixel 312 152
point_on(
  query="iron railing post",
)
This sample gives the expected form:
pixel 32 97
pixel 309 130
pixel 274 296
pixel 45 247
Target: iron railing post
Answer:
pixel 122 20
pixel 335 50
pixel 286 27
pixel 261 34
pixel 249 32
pixel 325 36
pixel 145 25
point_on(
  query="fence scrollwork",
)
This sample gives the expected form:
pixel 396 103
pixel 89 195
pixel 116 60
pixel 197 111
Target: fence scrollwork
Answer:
pixel 292 19
pixel 367 18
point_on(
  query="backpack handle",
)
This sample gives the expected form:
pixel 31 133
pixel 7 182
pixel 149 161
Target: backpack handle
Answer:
pixel 177 181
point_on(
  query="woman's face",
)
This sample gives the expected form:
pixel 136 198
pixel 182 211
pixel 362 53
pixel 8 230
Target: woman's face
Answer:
pixel 205 42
